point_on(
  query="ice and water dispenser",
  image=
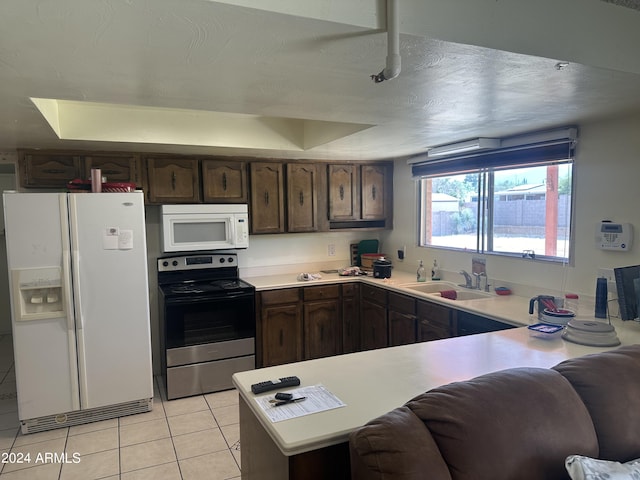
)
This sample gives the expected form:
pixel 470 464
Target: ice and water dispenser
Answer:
pixel 38 293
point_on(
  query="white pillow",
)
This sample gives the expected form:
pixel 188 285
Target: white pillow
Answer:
pixel 585 468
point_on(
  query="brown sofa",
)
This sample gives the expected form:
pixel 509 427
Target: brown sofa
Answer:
pixel 519 424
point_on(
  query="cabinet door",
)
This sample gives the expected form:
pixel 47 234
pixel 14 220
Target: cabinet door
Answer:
pixel 321 328
pixel 116 168
pixel 48 170
pixel 267 198
pixel 402 328
pixel 342 192
pixel 224 181
pixel 373 192
pixel 281 334
pixel 302 201
pixel 402 319
pixel 173 180
pixel 350 318
pixel 434 321
pixel 373 325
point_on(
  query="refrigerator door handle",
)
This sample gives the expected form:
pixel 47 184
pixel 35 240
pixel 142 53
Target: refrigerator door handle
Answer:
pixel 75 260
pixel 68 301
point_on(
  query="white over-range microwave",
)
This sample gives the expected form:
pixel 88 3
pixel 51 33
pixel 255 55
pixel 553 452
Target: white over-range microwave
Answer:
pixel 204 227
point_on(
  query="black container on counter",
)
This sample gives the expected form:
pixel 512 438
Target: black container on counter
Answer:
pixel 382 268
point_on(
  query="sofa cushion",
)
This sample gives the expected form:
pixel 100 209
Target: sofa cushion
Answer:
pixel 609 385
pixel 396 445
pixel 518 423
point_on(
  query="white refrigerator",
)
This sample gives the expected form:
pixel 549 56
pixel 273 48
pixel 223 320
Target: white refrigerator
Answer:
pixel 77 267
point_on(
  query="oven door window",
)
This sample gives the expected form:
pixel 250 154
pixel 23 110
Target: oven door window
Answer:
pixel 210 320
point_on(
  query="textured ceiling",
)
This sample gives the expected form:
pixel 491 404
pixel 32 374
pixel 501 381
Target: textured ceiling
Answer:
pixel 218 57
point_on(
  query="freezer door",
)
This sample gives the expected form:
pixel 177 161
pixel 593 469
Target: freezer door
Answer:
pixel 42 318
pixel 109 259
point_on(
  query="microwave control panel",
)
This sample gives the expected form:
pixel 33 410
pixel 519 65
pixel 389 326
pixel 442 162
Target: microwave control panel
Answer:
pixel 614 236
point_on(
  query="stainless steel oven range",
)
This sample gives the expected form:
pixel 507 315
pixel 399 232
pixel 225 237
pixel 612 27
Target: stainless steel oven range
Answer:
pixel 207 321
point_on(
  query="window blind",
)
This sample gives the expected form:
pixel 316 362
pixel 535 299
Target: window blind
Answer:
pixel 556 150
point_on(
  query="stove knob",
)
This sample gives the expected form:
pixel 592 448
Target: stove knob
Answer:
pixel 174 263
pixel 230 259
pixel 221 260
pixel 165 264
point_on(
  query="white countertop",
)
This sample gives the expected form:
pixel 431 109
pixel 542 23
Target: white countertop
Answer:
pixel 374 382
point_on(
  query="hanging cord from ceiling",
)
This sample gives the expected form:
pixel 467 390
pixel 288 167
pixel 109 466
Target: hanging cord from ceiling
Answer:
pixel 392 69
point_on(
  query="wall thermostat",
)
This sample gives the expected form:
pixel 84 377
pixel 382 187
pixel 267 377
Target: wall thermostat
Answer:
pixel 614 236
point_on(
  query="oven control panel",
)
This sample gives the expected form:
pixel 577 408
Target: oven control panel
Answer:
pixel 195 262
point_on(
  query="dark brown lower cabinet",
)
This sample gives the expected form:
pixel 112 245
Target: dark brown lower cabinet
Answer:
pixel 279 328
pixel 315 321
pixel 350 317
pixel 402 319
pixel 322 322
pixel 435 321
pixel 373 318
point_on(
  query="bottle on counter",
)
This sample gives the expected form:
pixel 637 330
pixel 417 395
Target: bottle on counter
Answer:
pixel 435 271
pixel 421 273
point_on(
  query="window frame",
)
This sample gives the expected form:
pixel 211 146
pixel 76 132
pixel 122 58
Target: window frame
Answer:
pixel 486 164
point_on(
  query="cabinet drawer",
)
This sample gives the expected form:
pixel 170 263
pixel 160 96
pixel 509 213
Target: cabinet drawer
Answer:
pixel 374 295
pixel 321 292
pixel 402 303
pixel 280 296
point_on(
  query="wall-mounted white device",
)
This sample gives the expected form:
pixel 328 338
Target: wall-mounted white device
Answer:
pixel 614 236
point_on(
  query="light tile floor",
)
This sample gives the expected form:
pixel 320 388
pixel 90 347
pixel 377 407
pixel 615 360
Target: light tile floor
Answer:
pixel 191 438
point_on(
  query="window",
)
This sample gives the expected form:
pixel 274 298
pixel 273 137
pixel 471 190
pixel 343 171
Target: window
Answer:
pixel 513 201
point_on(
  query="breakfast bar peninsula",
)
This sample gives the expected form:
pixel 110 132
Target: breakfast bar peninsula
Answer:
pixel 373 382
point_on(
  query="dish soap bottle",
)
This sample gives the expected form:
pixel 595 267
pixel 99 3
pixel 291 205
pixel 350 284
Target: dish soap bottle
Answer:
pixel 435 271
pixel 421 273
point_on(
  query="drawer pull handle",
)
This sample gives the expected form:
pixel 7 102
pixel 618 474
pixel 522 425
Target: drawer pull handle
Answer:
pixel 266 197
pixel 373 192
pixel 224 181
pixel 341 192
pixel 301 198
pixel 173 180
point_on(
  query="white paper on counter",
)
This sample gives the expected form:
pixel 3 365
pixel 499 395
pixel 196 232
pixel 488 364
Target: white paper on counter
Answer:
pixel 318 399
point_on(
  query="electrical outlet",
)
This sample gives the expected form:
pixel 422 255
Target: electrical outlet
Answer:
pixel 607 273
pixel 331 249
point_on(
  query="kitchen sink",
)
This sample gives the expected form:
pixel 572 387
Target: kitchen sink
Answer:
pixel 434 288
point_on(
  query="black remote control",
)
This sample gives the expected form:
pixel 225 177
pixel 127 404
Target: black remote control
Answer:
pixel 269 385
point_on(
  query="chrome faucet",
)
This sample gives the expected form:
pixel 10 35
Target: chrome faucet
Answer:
pixel 478 277
pixel 467 279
